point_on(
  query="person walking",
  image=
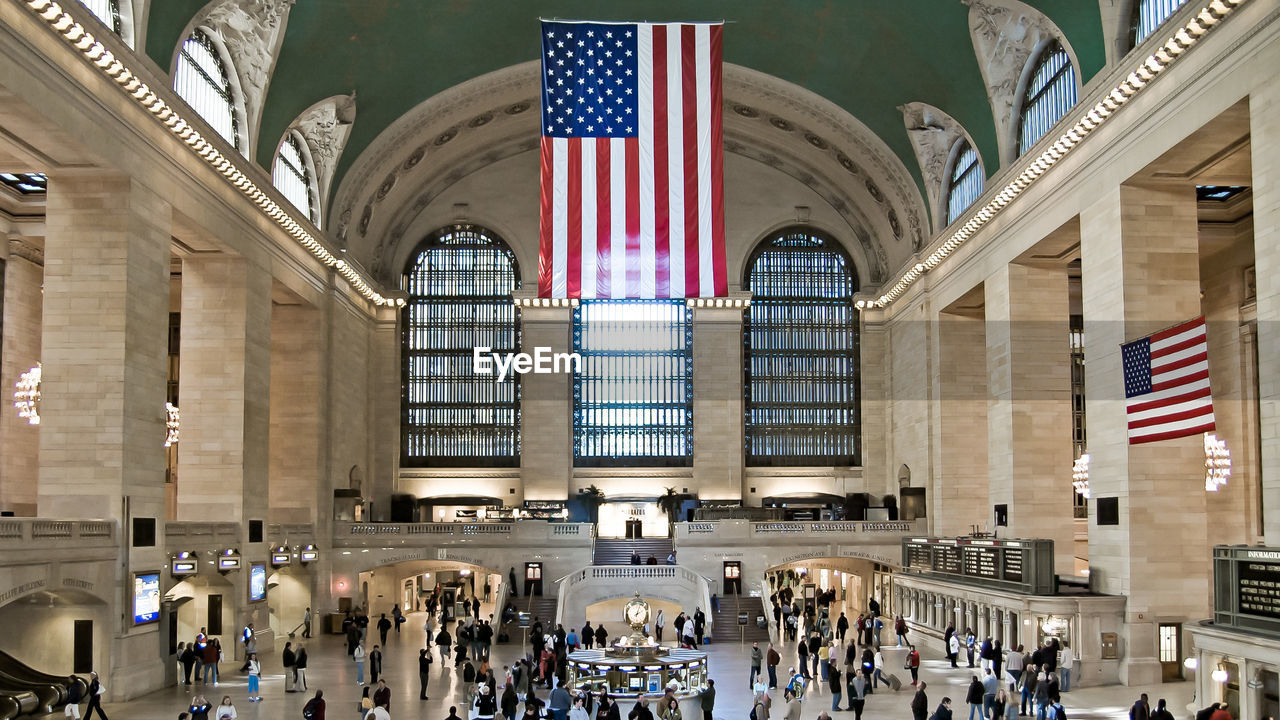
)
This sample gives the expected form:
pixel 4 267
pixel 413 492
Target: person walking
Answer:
pixel 226 710
pixel 900 629
pixel 857 687
pixel 314 709
pixel 879 678
pixel 384 627
pixel 974 698
pixel 1141 710
pixel 707 699
pixel 757 657
pixel 944 710
pixel 772 658
pixel 424 672
pixel 375 664
pixel 802 651
pixel 920 703
pixel 989 687
pixel 188 660
pixel 306 623
pixel 300 670
pixel 579 709
pixel 1161 712
pixel 444 642
pixel 95 697
pixel 382 695
pixel 255 675
pixel 659 622
pixel 1042 696
pixel 1014 664
pixel 358 657
pixel 289 659
pixel 559 703
pixel 836 681
pixel 1029 682
pixel 211 654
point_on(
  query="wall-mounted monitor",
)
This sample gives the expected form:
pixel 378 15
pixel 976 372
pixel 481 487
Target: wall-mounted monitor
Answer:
pixel 257 582
pixel 146 598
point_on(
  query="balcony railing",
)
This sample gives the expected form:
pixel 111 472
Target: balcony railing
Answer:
pixel 32 533
pixel 523 531
pixel 730 531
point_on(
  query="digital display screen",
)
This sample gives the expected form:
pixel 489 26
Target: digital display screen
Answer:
pixel 280 558
pixel 257 582
pixel 185 567
pixel 146 598
pixel 309 555
pixel 228 563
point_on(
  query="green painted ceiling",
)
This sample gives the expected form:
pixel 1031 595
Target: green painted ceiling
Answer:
pixel 866 56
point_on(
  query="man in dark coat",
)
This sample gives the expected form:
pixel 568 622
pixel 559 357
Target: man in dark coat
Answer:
pixel 920 704
pixel 699 624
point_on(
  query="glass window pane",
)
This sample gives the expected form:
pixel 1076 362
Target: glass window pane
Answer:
pixel 460 284
pixel 201 80
pixel 1151 15
pixel 108 11
pixel 291 175
pixel 1050 94
pixel 634 391
pixel 966 181
pixel 801 367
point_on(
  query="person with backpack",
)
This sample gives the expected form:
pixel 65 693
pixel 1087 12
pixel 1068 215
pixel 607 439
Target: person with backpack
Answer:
pixel 358 657
pixel 900 629
pixel 314 709
pixel 444 642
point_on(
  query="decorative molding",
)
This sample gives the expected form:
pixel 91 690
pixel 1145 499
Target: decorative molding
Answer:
pixel 252 33
pixel 933 135
pixel 1006 34
pixel 325 127
pixel 26 251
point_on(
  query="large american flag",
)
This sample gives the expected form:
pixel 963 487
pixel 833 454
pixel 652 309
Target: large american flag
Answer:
pixel 1166 384
pixel 632 161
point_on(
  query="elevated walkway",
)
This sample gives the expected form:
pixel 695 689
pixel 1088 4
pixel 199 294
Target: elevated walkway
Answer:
pixel 618 552
pixel 598 583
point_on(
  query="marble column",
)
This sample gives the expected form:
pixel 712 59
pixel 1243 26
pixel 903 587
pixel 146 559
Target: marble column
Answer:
pixel 1264 128
pixel 297 412
pixel 104 348
pixel 1029 407
pixel 19 439
pixel 1140 266
pixel 717 403
pixel 225 379
pixel 546 408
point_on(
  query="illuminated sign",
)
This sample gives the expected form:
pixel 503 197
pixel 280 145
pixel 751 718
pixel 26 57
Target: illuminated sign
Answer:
pixel 281 558
pixel 257 582
pixel 146 598
pixel 185 567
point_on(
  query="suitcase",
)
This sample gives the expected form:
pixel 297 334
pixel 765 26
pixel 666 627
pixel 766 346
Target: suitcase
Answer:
pixel 288 680
pixel 894 682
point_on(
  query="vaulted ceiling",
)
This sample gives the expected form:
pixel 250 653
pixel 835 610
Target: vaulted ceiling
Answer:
pixel 867 57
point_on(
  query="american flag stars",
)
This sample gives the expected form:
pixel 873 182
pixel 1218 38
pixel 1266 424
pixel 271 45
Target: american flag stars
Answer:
pixel 597 100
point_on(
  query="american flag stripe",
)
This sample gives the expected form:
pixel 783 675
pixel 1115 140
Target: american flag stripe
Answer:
pixel 632 203
pixel 1167 384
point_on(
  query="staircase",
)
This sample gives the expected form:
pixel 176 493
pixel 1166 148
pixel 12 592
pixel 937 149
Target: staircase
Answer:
pixel 724 623
pixel 544 608
pixel 618 552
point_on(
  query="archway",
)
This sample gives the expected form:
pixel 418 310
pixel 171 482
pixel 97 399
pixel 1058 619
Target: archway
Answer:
pixel 848 584
pixel 58 632
pixel 207 601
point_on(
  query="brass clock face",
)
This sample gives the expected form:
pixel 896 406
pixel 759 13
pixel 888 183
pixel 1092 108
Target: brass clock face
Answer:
pixel 637 614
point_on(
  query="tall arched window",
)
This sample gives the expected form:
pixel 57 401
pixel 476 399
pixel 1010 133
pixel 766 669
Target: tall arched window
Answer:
pixel 108 11
pixel 801 365
pixel 1050 93
pixel 294 177
pixel 203 80
pixel 1151 14
pixel 966 179
pixel 460 282
pixel 633 394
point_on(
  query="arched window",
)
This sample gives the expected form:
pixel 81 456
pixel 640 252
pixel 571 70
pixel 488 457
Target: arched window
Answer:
pixel 294 177
pixel 966 179
pixel 1050 93
pixel 108 11
pixel 1151 14
pixel 203 80
pixel 633 394
pixel 460 282
pixel 801 365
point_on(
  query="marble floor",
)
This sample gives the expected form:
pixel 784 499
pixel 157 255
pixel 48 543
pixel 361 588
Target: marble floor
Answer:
pixel 332 671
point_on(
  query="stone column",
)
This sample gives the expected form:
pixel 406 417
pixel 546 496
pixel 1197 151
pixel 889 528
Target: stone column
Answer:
pixel 1140 266
pixel 384 402
pixel 960 453
pixel 546 408
pixel 717 403
pixel 104 349
pixel 19 439
pixel 225 378
pixel 297 413
pixel 1029 408
pixel 1264 127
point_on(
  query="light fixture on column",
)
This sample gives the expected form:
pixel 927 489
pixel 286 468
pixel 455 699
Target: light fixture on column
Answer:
pixel 1219 674
pixel 26 395
pixel 1217 462
pixel 1080 475
pixel 1191 663
pixel 170 424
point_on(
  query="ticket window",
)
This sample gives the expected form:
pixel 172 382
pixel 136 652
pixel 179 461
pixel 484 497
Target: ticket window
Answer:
pixel 732 578
pixel 533 579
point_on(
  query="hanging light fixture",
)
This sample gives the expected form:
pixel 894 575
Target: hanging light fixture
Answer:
pixel 1080 475
pixel 1217 462
pixel 171 424
pixel 26 395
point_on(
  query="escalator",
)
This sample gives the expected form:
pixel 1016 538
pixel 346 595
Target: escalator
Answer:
pixel 26 691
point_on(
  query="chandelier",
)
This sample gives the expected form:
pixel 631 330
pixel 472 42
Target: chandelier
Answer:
pixel 1217 462
pixel 1080 475
pixel 170 424
pixel 26 395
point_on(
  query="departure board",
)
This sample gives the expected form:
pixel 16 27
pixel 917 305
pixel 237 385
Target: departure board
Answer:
pixel 1013 564
pixel 1246 588
pixel 1020 565
pixel 983 562
pixel 946 559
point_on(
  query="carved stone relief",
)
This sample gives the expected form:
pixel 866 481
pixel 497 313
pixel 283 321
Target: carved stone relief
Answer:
pixel 326 126
pixel 933 134
pixel 252 33
pixel 1005 33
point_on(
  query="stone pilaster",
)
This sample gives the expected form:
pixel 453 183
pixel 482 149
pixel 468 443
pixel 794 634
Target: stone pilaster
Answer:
pixel 1029 405
pixel 19 440
pixel 1140 265
pixel 717 403
pixel 384 402
pixel 225 380
pixel 546 412
pixel 1264 127
pixel 297 420
pixel 960 432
